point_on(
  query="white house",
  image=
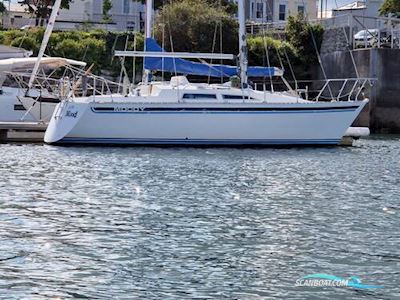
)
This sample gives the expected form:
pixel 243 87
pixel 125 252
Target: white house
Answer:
pixel 263 11
pixel 125 15
pixel 17 16
pixel 358 14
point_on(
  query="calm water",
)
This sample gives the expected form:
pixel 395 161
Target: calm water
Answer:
pixel 198 223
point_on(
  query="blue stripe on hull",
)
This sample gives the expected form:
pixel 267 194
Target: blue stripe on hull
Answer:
pixel 116 141
pixel 225 112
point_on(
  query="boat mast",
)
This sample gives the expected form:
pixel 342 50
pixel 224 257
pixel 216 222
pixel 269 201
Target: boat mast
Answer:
pixel 45 41
pixel 242 42
pixel 149 23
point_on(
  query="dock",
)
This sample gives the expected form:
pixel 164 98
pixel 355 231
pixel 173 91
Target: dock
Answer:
pixel 26 132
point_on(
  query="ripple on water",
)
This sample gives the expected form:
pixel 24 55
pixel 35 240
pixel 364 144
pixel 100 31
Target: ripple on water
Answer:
pixel 198 223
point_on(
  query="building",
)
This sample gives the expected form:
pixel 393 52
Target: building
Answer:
pixel 263 11
pixel 358 14
pixel 17 16
pixel 367 8
pixel 125 15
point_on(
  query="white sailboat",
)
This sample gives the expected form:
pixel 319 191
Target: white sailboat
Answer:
pixel 184 113
pixel 31 103
pixel 15 104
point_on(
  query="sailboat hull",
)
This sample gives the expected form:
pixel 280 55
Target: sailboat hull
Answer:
pixel 202 124
pixel 39 110
pixel 11 109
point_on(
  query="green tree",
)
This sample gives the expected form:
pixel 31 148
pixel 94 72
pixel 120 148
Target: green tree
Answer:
pixel 228 5
pixel 42 8
pixel 28 43
pixel 194 26
pixel 390 7
pixel 306 38
pixel 3 10
pixel 277 51
pixel 157 3
pixel 107 5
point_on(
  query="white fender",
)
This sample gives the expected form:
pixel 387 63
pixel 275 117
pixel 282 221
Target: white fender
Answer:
pixel 357 132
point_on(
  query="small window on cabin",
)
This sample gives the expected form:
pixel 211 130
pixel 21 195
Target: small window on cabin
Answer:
pixel 199 96
pixel 236 97
pixel 239 97
pixel 19 107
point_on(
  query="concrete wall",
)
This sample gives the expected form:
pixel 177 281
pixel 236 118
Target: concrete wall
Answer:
pixel 80 10
pixel 336 39
pixel 383 114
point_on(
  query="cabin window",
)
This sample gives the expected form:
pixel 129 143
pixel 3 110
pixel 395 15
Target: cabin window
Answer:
pixel 103 108
pixel 19 107
pixel 199 96
pixel 282 12
pixel 234 97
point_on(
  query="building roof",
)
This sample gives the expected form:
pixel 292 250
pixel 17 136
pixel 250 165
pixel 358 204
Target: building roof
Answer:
pixel 352 6
pixel 17 8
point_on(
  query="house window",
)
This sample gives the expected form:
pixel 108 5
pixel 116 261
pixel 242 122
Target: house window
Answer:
pixel 252 10
pixel 260 11
pixel 282 12
pixel 300 10
pixel 130 26
pixel 127 6
pixel 19 107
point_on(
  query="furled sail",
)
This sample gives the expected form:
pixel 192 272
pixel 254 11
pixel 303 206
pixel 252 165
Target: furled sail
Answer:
pixel 182 66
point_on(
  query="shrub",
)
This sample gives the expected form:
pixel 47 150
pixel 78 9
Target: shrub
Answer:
pixel 191 25
pixel 27 43
pixel 306 38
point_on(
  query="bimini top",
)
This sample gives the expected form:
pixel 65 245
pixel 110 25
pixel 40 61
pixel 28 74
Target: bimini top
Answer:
pixel 182 66
pixel 27 63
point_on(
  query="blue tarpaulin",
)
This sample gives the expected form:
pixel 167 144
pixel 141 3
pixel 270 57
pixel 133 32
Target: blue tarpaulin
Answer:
pixel 183 66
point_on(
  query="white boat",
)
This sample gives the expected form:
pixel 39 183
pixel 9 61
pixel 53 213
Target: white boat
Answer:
pixel 183 113
pixel 202 115
pixel 39 103
pixel 13 52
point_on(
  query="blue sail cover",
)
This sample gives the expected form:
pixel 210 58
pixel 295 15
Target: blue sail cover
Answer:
pixel 183 66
